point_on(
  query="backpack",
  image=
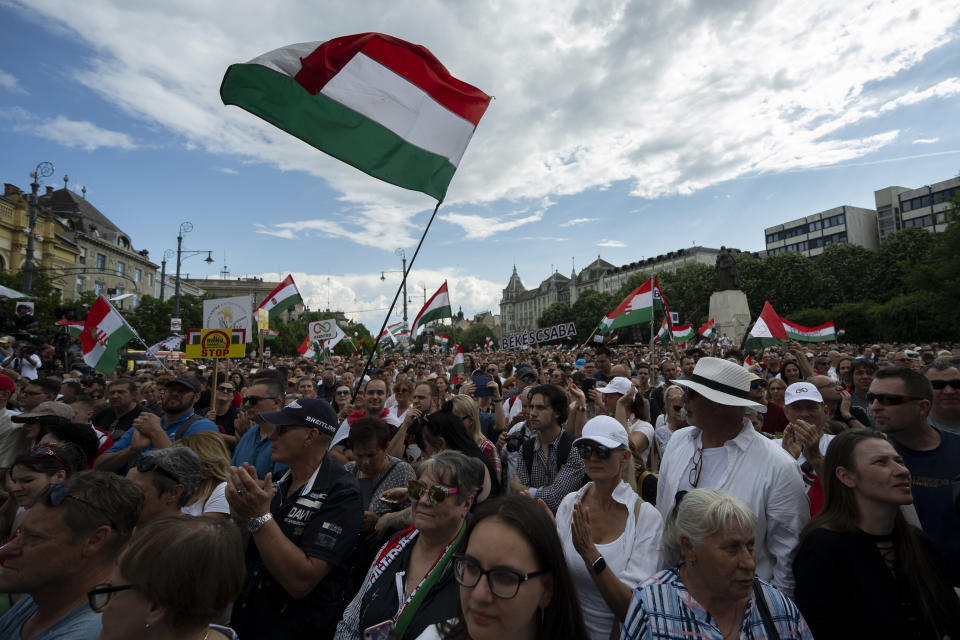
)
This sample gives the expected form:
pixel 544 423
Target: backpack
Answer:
pixel 563 451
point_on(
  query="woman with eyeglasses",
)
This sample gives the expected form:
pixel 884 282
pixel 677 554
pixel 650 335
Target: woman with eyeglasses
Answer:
pixel 403 394
pixel 410 584
pixel 513 578
pixel 173 579
pixel 709 589
pixel 673 416
pixel 610 537
pixel 861 571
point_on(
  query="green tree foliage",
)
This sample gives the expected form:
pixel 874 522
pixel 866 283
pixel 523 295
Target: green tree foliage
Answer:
pixel 555 314
pixel 475 336
pixel 589 308
pixel 43 295
pixel 687 291
pixel 151 318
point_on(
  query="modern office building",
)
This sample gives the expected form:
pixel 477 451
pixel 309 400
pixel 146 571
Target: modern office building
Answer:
pixel 925 207
pixel 811 234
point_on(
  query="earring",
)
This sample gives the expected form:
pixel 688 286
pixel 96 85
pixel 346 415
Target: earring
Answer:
pixel 146 626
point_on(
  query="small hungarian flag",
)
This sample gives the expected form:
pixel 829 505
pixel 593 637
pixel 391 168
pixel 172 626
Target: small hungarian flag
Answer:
pixel 707 330
pixel 378 103
pixel 283 297
pixel 398 331
pixel 270 334
pixel 104 333
pixel 359 348
pixel 459 367
pixel 575 346
pixel 442 340
pixel 438 306
pixel 613 337
pixel 488 344
pixel 74 327
pixel 306 348
pixel 821 333
pixel 841 332
pixel 767 330
pixel 682 332
pixel 664 336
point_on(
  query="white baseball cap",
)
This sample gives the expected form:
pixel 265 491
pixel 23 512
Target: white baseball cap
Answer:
pixel 801 391
pixel 617 385
pixel 606 431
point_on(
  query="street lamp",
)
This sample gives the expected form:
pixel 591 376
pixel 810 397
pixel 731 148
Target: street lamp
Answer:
pixel 43 170
pixel 163 271
pixel 403 256
pixel 185 227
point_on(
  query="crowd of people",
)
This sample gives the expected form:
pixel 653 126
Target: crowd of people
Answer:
pixel 800 491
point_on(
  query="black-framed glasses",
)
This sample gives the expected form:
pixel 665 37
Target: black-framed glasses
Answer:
pixel 587 449
pixel 55 494
pixel 939 385
pixel 343 393
pixel 144 464
pixel 889 399
pixel 257 399
pixel 47 452
pixel 436 494
pixel 503 582
pixel 225 389
pixel 100 595
pixel 694 477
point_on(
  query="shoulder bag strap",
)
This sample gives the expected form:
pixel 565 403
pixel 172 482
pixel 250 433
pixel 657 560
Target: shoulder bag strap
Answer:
pixel 768 625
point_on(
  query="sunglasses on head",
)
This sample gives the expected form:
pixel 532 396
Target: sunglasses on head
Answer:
pixel 55 494
pixel 889 399
pixel 942 384
pixel 47 452
pixel 587 449
pixel 145 464
pixel 435 494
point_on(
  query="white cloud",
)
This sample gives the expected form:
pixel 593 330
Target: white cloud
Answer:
pixel 76 133
pixel 926 140
pixel 670 98
pixel 226 170
pixel 11 83
pixel 576 221
pixel 611 243
pixel 365 297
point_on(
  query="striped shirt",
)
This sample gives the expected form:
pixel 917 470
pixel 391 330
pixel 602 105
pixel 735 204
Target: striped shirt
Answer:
pixel 663 609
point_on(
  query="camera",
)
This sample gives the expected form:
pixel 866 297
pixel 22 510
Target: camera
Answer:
pixel 515 441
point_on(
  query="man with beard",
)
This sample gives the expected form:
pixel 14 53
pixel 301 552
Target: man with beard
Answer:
pixel 124 408
pixel 152 432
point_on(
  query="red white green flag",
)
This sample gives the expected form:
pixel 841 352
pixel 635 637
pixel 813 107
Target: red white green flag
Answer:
pixel 767 330
pixel 74 327
pixel 307 349
pixel 615 336
pixel 378 103
pixel 459 366
pixel 682 332
pixel 283 297
pixel 663 335
pixel 707 330
pixel 270 334
pixel 488 344
pixel 821 333
pixel 437 307
pixel 636 308
pixel 104 333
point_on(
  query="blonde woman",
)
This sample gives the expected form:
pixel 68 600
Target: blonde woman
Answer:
pixel 465 408
pixel 673 416
pixel 209 499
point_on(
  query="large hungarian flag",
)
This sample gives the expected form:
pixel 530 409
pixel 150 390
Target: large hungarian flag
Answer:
pixel 767 330
pixel 821 333
pixel 104 332
pixel 280 299
pixel 378 103
pixel 438 306
pixel 636 308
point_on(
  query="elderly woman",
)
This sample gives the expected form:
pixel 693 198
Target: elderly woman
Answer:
pixel 528 593
pixel 411 580
pixel 375 470
pixel 861 571
pixel 610 537
pixel 710 590
pixel 174 578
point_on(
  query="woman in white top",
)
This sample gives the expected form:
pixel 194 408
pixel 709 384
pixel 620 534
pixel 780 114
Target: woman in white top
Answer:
pixel 673 416
pixel 209 499
pixel 610 537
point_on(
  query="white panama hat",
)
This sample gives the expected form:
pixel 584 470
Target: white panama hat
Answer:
pixel 720 381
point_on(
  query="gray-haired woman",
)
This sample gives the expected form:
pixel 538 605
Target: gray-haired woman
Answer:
pixel 419 559
pixel 710 590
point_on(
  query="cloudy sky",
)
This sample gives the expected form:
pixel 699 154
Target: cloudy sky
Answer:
pixel 618 128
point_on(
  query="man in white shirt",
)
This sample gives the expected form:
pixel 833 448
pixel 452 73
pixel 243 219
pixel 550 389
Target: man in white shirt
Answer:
pixel 724 451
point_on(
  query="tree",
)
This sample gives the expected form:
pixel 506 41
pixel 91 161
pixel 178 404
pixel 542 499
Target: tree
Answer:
pixel 589 308
pixel 557 313
pixel 475 336
pixel 688 290
pixel 847 272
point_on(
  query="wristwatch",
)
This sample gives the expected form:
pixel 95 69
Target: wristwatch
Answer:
pixel 257 523
pixel 598 566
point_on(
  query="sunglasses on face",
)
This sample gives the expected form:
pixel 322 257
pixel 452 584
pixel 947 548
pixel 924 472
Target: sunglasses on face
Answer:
pixel 939 385
pixel 678 407
pixel 889 399
pixel 435 494
pixel 587 449
pixel 758 384
pixel 256 399
pixel 225 389
pixel 343 393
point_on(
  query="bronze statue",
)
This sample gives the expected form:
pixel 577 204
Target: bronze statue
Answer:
pixel 727 278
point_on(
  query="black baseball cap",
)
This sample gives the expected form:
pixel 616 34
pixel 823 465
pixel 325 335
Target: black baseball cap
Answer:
pixel 310 412
pixel 188 381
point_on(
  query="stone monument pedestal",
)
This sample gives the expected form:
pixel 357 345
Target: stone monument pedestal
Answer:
pixel 730 313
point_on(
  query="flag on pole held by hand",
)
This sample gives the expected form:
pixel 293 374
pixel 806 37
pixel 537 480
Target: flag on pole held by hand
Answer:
pixel 488 344
pixel 280 299
pixel 74 327
pixel 459 366
pixel 383 105
pixel 707 330
pixel 104 333
pixel 437 307
pixel 636 308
